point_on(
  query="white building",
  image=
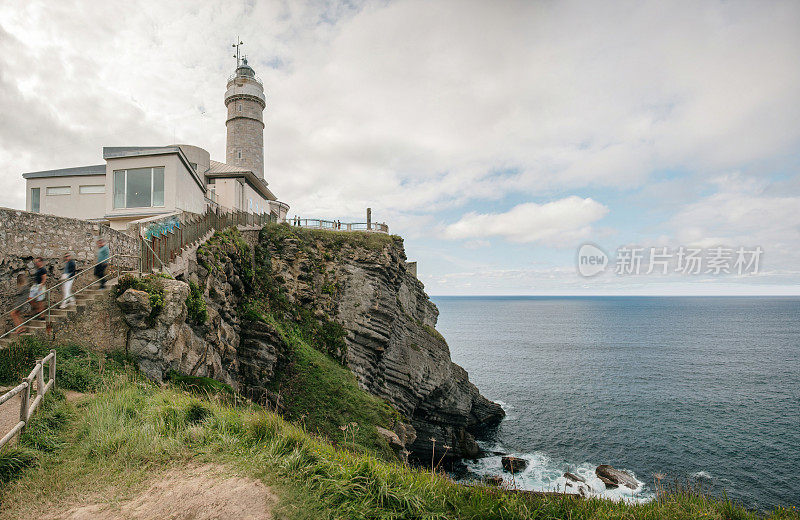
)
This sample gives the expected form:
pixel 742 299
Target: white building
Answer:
pixel 139 182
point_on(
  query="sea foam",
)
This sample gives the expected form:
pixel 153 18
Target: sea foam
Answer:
pixel 545 474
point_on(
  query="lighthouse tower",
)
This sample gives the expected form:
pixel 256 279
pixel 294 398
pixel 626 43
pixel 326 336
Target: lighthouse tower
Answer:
pixel 245 101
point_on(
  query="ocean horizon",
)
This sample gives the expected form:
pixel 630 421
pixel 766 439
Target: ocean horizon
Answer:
pixel 700 389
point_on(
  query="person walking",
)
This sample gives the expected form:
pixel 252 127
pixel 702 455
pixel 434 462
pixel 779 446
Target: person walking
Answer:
pixel 21 297
pixel 39 284
pixel 68 275
pixel 102 262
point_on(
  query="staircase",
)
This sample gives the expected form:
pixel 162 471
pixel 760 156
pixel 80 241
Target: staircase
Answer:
pixel 38 327
pixel 180 265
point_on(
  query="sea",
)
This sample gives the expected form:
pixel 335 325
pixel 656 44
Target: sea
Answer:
pixel 700 391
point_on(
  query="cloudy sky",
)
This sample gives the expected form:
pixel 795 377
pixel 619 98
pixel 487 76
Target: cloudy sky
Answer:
pixel 495 137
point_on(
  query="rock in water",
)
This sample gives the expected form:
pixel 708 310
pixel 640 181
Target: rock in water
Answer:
pixel 613 477
pixel 574 477
pixel 514 464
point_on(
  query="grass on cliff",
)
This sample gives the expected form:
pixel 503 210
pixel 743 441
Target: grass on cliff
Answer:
pixel 106 446
pixel 324 397
pixel 329 240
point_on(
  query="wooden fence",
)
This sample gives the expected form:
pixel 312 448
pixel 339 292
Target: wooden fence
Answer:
pixel 26 407
pixel 169 244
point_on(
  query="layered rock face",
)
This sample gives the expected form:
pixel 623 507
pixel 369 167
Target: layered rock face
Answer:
pixel 357 280
pixel 392 346
pixel 168 343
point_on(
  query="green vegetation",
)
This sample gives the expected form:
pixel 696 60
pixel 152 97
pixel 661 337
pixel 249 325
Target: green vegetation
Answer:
pixel 151 284
pixel 332 241
pixel 14 461
pixel 433 332
pixel 17 360
pixel 198 384
pixel 107 445
pixel 330 288
pixel 196 305
pixel 228 243
pixel 78 368
pixel 325 398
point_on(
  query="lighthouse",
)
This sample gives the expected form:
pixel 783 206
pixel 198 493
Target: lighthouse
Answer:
pixel 245 101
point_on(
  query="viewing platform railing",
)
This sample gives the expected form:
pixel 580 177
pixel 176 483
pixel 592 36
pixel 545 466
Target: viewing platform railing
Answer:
pixel 335 225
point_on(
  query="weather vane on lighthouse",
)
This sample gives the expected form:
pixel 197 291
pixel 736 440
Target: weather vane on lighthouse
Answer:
pixel 237 45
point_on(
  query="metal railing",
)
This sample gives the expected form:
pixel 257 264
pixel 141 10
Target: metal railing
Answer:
pixel 26 407
pixel 253 77
pixel 335 225
pixel 45 313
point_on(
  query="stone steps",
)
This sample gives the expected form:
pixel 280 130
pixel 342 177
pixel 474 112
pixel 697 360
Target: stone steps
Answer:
pixel 57 315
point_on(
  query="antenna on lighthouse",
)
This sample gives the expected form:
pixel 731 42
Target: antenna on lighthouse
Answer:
pixel 237 45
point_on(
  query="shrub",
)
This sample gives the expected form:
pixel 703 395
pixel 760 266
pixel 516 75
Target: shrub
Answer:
pixel 196 305
pixel 80 373
pixel 17 360
pixel 13 461
pixel 196 412
pixel 43 432
pixel 151 284
pixel 197 384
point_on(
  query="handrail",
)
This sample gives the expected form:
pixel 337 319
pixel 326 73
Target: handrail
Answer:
pixel 53 304
pixel 50 306
pixel 26 408
pixel 171 244
pixel 157 258
pixel 59 284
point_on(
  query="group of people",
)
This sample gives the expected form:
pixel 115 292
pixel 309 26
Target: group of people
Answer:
pixel 36 293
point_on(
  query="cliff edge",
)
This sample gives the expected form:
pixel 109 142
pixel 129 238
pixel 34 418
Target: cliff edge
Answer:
pixel 361 282
pixel 349 295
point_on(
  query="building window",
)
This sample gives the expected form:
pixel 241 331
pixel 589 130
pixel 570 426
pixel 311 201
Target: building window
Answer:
pixel 59 190
pixel 239 154
pixel 239 107
pixel 139 188
pixel 92 188
pixel 35 194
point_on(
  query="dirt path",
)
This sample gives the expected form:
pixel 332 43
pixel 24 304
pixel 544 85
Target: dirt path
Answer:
pixel 9 414
pixel 192 492
pixel 9 411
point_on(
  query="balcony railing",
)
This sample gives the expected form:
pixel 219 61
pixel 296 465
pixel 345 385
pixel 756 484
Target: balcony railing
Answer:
pixel 253 77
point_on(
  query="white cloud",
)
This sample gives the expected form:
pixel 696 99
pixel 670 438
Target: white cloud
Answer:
pixel 743 212
pixel 561 222
pixel 410 105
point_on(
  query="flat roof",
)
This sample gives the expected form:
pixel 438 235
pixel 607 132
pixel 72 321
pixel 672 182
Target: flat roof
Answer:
pixel 220 170
pixel 97 169
pixel 120 152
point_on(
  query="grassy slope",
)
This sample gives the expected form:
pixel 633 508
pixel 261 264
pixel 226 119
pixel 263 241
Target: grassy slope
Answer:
pixel 326 398
pixel 107 445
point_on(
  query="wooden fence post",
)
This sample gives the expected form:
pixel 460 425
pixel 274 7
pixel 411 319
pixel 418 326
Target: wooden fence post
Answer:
pixel 53 368
pixel 23 405
pixel 40 379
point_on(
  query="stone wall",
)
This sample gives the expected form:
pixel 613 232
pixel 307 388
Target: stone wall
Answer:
pixel 25 235
pixel 100 325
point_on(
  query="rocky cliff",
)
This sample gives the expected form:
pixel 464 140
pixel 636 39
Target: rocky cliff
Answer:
pixel 350 294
